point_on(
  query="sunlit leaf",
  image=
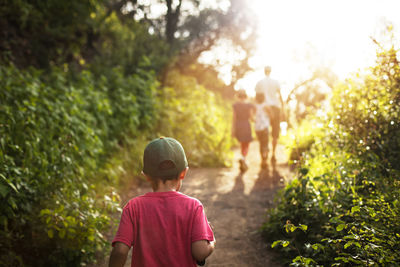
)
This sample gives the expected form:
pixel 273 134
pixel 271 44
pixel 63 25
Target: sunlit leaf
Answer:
pixel 355 209
pixel 340 227
pixel 285 243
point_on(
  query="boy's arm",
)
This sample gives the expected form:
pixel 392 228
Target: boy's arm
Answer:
pixel 118 255
pixel 268 111
pixel 201 249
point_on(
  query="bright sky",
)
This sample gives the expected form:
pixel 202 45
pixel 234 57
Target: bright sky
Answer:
pixel 333 32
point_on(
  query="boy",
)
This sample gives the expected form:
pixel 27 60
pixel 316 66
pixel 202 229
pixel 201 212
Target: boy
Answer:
pixel 165 227
pixel 261 126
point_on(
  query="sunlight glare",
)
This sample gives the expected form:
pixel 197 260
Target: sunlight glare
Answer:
pixel 294 35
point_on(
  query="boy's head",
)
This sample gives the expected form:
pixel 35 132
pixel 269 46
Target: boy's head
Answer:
pixel 260 98
pixel 164 159
pixel 241 94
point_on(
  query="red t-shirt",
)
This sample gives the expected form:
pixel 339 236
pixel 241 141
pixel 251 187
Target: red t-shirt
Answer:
pixel 161 227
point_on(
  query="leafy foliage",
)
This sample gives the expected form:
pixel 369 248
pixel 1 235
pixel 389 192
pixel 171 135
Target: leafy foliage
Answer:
pixel 347 189
pixel 126 45
pixel 203 116
pixel 42 32
pixel 54 136
pixel 80 98
pixel 62 143
pixel 302 139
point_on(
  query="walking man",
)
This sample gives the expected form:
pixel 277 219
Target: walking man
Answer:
pixel 273 98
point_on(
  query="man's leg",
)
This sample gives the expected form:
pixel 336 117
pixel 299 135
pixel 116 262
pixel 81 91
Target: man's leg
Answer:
pixel 266 143
pixel 274 143
pixel 264 146
pixel 275 123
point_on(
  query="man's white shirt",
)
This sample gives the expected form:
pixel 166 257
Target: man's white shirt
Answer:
pixel 271 90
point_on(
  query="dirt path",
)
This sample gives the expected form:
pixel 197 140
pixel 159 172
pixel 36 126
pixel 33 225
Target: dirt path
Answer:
pixel 235 205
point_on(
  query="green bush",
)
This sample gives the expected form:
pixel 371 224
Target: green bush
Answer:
pixel 347 191
pixel 74 131
pixel 55 135
pixel 300 140
pixel 198 118
pixel 41 33
pixel 68 139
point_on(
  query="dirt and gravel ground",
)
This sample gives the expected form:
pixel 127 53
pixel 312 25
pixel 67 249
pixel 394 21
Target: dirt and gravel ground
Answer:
pixel 235 204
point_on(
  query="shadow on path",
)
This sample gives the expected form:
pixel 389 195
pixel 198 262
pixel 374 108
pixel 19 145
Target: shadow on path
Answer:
pixel 236 205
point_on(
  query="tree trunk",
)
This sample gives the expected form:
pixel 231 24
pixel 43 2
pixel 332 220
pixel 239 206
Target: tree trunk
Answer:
pixel 172 19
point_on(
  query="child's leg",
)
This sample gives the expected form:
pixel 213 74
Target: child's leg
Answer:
pixel 265 140
pixel 261 142
pixel 244 146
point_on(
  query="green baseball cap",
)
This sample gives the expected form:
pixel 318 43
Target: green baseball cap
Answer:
pixel 160 150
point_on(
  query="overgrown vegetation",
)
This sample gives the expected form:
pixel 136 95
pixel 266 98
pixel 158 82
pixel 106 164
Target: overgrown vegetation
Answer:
pixel 83 89
pixel 343 208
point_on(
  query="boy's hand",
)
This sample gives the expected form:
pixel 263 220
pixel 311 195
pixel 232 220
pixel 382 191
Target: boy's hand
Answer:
pixel 118 255
pixel 201 263
pixel 201 249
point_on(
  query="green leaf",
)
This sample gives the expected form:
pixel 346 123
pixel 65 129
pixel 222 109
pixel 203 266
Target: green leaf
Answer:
pixel 50 233
pixel 308 261
pixel 285 243
pixel 12 203
pixel 303 171
pixel 4 190
pixel 45 211
pixel 355 208
pixel 340 227
pixel 298 259
pixel 61 233
pixel 91 237
pixel 342 259
pixel 11 185
pixel 71 231
pixel 348 244
pixel 317 246
pixel 275 243
pixel 303 227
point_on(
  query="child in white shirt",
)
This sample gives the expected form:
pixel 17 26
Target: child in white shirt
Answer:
pixel 261 126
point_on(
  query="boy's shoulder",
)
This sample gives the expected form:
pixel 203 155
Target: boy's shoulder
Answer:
pixel 172 195
pixel 260 105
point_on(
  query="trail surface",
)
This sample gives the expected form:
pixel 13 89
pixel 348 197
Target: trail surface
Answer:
pixel 235 204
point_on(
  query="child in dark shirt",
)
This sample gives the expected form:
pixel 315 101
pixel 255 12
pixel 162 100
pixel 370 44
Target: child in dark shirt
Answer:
pixel 241 129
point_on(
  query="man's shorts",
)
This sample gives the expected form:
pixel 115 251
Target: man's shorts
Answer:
pixel 275 121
